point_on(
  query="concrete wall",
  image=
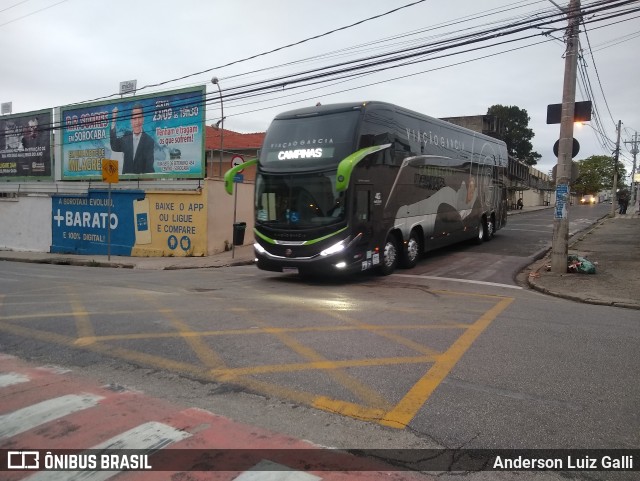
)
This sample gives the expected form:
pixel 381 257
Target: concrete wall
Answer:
pixel 220 214
pixel 25 223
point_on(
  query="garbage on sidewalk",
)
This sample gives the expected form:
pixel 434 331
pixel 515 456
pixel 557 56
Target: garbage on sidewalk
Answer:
pixel 577 264
pixel 580 265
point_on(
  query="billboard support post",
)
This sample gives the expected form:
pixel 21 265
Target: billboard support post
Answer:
pixel 109 175
pixel 109 224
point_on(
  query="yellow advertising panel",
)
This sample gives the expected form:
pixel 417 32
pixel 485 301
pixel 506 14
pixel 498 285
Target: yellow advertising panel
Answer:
pixel 177 225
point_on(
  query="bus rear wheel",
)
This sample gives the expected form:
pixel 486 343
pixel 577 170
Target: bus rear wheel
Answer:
pixel 490 229
pixel 411 254
pixel 389 260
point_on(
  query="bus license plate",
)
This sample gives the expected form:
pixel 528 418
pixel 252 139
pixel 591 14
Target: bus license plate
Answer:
pixel 290 270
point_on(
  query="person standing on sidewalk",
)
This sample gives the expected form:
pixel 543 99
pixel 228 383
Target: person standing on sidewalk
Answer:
pixel 623 203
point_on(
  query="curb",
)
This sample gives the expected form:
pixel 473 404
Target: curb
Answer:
pixel 229 264
pixel 584 300
pixel 66 261
pixel 63 261
pixel 541 263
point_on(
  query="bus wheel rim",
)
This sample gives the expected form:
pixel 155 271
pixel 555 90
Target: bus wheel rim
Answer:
pixel 389 254
pixel 412 249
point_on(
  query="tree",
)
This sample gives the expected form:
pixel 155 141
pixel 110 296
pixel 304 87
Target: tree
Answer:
pixel 515 132
pixel 595 174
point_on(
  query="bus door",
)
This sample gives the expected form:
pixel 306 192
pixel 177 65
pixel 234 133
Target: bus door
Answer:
pixel 369 210
pixel 363 213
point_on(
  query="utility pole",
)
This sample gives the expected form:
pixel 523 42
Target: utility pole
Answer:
pixel 634 151
pixel 614 189
pixel 560 242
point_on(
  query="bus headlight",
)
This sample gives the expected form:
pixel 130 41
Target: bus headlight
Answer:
pixel 334 249
pixel 259 248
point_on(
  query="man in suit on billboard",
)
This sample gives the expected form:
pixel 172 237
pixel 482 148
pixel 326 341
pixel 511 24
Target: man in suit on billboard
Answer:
pixel 135 144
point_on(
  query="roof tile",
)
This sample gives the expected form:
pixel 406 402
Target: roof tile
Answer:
pixel 232 140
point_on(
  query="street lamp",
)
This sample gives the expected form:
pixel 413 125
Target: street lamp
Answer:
pixel 216 82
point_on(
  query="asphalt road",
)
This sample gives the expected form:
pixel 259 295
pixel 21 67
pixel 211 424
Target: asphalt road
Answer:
pixel 405 361
pixel 525 237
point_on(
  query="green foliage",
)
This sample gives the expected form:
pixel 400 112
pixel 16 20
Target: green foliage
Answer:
pixel 516 132
pixel 596 174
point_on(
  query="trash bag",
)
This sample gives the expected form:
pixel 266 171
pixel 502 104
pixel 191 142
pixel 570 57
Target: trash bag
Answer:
pixel 580 265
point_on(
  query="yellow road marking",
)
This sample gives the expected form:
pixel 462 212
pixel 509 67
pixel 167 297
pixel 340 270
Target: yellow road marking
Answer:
pixel 362 391
pixel 269 389
pixel 204 352
pixel 389 335
pixel 348 409
pixel 84 328
pixel 215 370
pixel 270 330
pixel 228 374
pixel 126 354
pixel 407 408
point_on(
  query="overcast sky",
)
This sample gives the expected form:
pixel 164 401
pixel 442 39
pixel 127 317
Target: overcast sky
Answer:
pixel 61 52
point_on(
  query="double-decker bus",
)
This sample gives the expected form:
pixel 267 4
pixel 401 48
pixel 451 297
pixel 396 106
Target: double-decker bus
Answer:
pixel 357 186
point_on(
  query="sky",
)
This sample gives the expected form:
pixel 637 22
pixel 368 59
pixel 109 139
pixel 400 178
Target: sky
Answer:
pixel 61 52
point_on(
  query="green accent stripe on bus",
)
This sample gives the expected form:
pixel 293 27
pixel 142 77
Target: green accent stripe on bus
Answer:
pixel 305 243
pixel 231 173
pixel 346 165
pixel 313 241
pixel 263 237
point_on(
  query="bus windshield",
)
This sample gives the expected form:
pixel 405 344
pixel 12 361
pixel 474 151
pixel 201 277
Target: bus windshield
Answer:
pixel 299 201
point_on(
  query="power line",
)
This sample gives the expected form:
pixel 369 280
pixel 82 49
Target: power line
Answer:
pixel 374 66
pixel 30 14
pixel 360 22
pixel 14 5
pixel 374 61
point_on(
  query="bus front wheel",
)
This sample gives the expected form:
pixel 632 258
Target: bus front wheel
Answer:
pixel 389 260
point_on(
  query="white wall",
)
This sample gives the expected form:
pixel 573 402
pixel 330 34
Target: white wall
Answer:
pixel 25 223
pixel 220 214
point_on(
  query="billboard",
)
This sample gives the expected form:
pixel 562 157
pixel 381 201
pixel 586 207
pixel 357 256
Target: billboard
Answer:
pixel 151 136
pixel 79 223
pixel 25 146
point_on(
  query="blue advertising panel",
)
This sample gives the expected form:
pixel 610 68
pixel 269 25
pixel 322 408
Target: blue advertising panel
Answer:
pixel 562 198
pixel 79 222
pixel 25 146
pixel 152 136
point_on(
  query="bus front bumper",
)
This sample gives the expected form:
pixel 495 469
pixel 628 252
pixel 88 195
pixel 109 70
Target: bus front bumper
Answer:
pixel 345 262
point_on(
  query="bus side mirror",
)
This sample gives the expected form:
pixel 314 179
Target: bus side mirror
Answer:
pixel 230 174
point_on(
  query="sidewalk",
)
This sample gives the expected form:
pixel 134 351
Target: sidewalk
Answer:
pixel 243 255
pixel 612 243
